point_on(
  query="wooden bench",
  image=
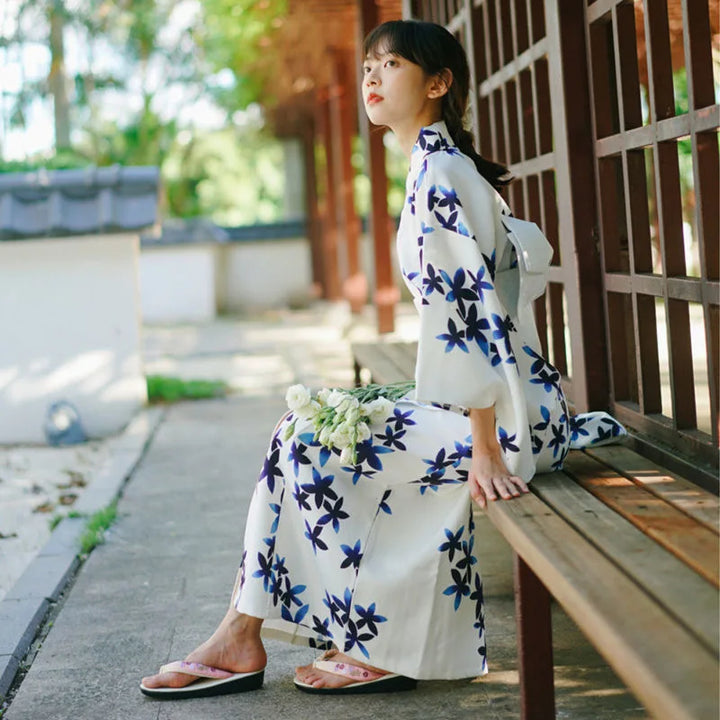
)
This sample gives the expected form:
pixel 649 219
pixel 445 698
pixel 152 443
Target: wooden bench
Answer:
pixel 629 549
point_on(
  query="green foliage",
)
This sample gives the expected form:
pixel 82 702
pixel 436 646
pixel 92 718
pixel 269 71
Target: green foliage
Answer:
pixel 169 389
pixel 235 35
pixel 63 160
pixel 97 524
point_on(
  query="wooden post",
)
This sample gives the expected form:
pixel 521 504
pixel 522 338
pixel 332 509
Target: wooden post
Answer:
pixel 313 222
pixel 386 293
pixel 331 276
pixel 534 641
pixel 355 282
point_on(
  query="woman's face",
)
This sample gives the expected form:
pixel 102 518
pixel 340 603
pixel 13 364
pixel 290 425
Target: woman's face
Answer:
pixel 397 93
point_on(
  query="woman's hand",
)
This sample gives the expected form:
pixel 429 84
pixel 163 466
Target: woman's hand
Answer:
pixel 489 477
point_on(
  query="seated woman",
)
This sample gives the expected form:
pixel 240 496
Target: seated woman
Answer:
pixel 373 558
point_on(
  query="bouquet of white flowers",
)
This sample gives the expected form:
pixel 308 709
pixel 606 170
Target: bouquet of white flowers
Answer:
pixel 342 418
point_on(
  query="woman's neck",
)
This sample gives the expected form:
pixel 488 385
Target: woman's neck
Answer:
pixel 407 134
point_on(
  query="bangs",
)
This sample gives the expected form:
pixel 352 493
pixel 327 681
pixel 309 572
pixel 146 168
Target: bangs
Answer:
pixel 395 38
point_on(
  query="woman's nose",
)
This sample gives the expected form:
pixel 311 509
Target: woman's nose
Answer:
pixel 371 78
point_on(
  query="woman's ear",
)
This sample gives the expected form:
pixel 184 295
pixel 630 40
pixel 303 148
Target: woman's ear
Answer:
pixel 440 83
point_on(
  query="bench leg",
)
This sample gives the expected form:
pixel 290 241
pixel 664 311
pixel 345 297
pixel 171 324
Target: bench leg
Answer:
pixel 534 639
pixel 358 381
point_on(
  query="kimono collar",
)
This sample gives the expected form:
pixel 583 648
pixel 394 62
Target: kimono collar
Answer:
pixel 430 139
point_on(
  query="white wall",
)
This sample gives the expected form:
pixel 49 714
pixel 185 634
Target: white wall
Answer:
pixel 177 283
pixel 69 329
pixel 264 273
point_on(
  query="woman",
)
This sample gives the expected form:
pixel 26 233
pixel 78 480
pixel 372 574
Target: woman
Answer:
pixel 374 560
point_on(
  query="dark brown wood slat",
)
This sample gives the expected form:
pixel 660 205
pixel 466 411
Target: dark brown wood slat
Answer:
pixel 648 362
pixel 522 35
pixel 657 36
pixel 639 214
pixel 603 79
pixel 612 216
pixel 628 65
pixel 527 115
pixel 557 327
pixel 543 111
pixel 513 130
pixel 676 490
pixel 694 544
pixel 698 53
pixel 636 636
pixel 683 593
pixel 621 360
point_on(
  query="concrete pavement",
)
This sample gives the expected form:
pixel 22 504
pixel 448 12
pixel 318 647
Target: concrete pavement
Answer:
pixel 161 582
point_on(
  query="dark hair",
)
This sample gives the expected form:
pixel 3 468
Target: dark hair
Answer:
pixel 435 49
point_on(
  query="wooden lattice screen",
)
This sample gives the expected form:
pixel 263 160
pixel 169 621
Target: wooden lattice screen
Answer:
pixel 520 119
pixel 658 175
pixel 609 160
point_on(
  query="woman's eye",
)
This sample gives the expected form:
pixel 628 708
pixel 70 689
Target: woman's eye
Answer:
pixel 391 63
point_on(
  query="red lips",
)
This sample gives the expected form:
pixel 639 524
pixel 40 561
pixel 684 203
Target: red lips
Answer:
pixel 373 98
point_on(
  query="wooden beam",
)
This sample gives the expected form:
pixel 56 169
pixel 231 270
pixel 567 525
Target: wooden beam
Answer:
pixel 386 294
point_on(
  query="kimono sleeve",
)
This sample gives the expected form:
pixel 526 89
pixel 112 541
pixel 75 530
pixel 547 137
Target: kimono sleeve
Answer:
pixel 465 353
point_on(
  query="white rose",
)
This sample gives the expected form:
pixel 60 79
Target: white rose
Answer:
pixel 323 396
pixel 363 432
pixel 309 411
pixel 380 409
pixel 346 456
pixel 335 398
pixel 297 396
pixel 348 403
pixel 341 436
pixel 352 415
pixel 324 436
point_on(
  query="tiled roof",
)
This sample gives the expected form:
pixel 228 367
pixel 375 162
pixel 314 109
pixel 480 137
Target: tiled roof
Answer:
pixel 47 203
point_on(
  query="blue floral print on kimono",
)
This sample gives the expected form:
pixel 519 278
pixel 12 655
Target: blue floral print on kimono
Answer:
pixel 378 558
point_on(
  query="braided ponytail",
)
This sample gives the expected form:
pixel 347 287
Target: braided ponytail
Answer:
pixel 435 49
pixel 497 175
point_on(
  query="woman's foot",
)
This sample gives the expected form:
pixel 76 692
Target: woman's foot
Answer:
pixel 320 679
pixel 235 646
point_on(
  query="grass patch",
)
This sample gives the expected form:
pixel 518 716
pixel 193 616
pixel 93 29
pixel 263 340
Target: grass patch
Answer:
pixel 54 521
pixel 169 389
pixel 97 524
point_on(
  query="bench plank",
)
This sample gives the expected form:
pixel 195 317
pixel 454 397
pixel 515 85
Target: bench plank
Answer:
pixel 382 367
pixel 665 666
pixel 692 542
pixel 692 600
pixel 403 355
pixel 674 489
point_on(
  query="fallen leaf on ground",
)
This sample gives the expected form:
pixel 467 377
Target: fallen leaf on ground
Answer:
pixel 46 507
pixel 9 535
pixel 68 498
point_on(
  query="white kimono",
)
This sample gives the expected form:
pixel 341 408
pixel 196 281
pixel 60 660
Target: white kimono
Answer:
pixel 378 558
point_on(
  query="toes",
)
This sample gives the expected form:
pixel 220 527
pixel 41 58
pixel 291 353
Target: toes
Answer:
pixel 172 680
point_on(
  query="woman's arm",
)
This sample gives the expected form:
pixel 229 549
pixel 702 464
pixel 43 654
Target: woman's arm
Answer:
pixel 488 473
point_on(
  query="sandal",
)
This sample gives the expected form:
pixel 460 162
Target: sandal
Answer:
pixel 367 681
pixel 211 681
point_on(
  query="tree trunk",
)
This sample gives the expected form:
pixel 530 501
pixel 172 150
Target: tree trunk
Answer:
pixel 57 82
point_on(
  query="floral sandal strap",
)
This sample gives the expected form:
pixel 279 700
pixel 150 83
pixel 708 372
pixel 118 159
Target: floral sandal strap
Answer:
pixel 351 671
pixel 195 668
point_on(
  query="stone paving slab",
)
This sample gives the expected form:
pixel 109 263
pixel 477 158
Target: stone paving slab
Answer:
pixel 26 603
